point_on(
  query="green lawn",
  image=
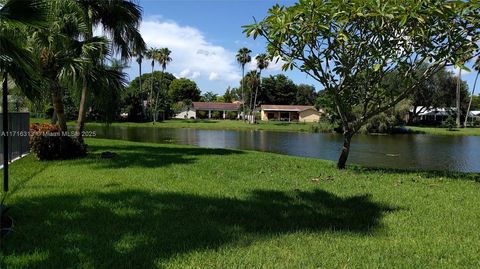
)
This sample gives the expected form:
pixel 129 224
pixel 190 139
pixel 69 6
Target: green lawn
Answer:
pixel 215 125
pixel 167 206
pixel 445 131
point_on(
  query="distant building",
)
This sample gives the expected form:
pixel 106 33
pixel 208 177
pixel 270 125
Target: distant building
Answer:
pixel 290 113
pixel 208 108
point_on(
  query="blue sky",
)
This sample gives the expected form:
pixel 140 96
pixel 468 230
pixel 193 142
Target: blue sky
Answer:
pixel 204 36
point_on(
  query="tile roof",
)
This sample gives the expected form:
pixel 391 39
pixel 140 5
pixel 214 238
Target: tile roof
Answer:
pixel 286 108
pixel 216 106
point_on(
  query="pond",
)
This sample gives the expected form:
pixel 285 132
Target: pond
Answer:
pixel 452 153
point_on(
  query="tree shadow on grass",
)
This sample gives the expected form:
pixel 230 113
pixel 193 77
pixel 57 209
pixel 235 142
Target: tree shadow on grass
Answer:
pixel 147 156
pixel 137 229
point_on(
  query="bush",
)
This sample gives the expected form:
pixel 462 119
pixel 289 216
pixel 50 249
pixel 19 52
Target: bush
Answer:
pixel 449 123
pixel 232 115
pixel 381 123
pixel 48 143
pixel 323 126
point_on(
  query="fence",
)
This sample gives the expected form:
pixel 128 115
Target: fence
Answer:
pixel 18 126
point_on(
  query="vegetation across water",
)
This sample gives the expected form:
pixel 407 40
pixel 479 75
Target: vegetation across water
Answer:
pixel 222 125
pixel 167 206
pixel 445 131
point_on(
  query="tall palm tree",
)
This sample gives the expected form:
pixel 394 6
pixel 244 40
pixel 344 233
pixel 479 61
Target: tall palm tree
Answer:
pixel 163 58
pixel 151 54
pixel 120 20
pixel 243 57
pixel 139 62
pixel 15 60
pixel 476 66
pixel 262 63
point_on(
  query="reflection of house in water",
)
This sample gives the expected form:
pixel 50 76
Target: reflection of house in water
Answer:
pixel 290 113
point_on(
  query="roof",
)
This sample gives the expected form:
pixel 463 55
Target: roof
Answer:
pixel 286 108
pixel 216 106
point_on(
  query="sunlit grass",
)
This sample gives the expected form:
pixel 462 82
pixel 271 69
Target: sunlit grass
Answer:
pixel 214 125
pixel 445 131
pixel 167 206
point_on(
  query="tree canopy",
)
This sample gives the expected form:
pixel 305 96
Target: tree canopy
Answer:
pixel 351 46
pixel 183 89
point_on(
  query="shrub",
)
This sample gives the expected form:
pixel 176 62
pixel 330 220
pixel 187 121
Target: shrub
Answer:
pixel 232 115
pixel 449 123
pixel 48 143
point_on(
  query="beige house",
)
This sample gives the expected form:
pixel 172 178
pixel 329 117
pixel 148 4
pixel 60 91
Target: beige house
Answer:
pixel 290 113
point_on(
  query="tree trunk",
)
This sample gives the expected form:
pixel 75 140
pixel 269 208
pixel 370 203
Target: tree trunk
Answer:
pixel 471 98
pixel 59 108
pixel 347 138
pixel 256 94
pixel 243 92
pixel 459 80
pixel 158 94
pixel 82 111
pixel 150 97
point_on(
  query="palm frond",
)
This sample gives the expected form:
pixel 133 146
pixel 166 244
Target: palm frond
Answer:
pixel 25 13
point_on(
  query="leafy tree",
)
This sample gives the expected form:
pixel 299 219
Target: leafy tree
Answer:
pixel 120 20
pixel 209 97
pixel 476 67
pixel 107 91
pixel 183 89
pixel 306 95
pixel 351 46
pixel 243 57
pixel 278 90
pixel 229 95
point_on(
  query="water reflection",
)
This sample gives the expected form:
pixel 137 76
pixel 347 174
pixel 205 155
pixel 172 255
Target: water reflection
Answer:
pixel 452 153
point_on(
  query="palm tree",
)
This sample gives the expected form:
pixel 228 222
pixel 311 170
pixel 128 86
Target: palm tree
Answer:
pixel 15 60
pixel 120 20
pixel 262 63
pixel 243 57
pixel 151 54
pixel 163 57
pixel 139 62
pixel 61 52
pixel 476 66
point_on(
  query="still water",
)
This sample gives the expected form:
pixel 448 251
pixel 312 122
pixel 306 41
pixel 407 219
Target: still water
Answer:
pixel 452 153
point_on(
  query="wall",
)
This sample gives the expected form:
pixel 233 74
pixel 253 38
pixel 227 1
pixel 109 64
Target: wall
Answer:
pixel 183 114
pixel 309 115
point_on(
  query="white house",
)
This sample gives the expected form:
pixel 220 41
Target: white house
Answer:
pixel 208 107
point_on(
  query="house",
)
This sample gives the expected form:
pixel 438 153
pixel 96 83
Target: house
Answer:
pixel 290 113
pixel 208 109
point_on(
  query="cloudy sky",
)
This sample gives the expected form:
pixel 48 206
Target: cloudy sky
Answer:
pixel 204 36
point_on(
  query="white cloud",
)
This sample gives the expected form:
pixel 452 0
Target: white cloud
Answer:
pixel 187 73
pixel 213 76
pixel 192 55
pixel 274 65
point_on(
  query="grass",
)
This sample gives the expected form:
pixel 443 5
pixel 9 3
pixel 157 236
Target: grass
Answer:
pixel 217 125
pixel 445 131
pixel 167 206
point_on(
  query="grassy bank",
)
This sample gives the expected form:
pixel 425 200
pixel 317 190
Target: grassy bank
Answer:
pixel 167 206
pixel 217 125
pixel 445 131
